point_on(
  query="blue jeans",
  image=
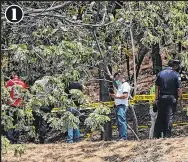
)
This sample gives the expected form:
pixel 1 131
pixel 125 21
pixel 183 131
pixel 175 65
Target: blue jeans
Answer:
pixel 73 135
pixel 121 111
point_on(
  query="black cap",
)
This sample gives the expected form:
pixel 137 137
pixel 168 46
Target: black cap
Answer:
pixel 176 61
pixel 170 63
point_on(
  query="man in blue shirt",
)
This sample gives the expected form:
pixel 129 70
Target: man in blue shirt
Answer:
pixel 168 89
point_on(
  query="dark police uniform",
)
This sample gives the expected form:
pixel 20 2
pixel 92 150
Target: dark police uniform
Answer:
pixel 168 81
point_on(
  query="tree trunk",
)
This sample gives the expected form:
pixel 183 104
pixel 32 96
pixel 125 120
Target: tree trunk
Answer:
pixel 142 52
pixel 128 68
pixel 104 96
pixel 156 59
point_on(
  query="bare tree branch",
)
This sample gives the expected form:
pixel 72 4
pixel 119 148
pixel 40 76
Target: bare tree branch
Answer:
pixel 45 10
pixel 133 50
pixel 49 9
pixel 104 61
pixel 101 79
pixel 133 132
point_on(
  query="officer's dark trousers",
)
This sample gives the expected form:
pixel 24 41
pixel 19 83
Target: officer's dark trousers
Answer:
pixel 166 109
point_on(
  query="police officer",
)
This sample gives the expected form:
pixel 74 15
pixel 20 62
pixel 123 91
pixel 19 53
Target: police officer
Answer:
pixel 168 89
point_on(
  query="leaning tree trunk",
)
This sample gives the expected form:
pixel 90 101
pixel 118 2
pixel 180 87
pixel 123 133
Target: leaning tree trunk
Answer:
pixel 142 52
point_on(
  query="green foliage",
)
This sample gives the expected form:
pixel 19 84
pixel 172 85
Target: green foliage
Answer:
pixel 97 119
pixel 5 144
pixel 19 150
pixel 51 51
pixel 64 122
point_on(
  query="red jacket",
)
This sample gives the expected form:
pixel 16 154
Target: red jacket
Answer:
pixel 15 81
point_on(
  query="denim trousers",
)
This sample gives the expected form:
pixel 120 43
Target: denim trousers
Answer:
pixel 121 111
pixel 73 135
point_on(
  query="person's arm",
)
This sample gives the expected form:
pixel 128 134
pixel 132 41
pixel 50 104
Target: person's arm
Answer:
pixel 156 92
pixel 157 88
pixel 179 87
pixel 180 93
pixel 124 95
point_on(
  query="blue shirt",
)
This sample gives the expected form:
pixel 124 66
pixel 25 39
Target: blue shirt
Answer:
pixel 168 81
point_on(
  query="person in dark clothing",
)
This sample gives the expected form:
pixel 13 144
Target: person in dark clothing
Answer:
pixel 74 134
pixel 41 125
pixel 168 89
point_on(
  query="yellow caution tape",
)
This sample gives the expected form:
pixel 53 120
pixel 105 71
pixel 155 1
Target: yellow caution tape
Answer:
pixel 144 97
pixel 111 103
pixel 185 96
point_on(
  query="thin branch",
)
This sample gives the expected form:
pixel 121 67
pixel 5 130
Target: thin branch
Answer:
pixel 101 79
pixel 133 132
pixel 133 50
pixel 42 10
pixel 98 69
pixel 100 52
pixel 53 4
pixel 71 22
pixel 90 25
pixel 49 9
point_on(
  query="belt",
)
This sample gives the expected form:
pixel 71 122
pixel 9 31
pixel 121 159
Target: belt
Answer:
pixel 120 105
pixel 168 95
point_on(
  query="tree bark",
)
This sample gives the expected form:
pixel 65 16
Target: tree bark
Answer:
pixel 104 96
pixel 156 59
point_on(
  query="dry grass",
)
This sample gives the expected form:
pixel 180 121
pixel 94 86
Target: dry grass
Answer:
pixel 162 150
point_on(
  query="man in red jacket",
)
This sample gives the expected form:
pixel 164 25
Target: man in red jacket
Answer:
pixel 15 100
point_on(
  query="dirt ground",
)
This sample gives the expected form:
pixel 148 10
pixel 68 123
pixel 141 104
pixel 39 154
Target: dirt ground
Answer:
pixel 161 150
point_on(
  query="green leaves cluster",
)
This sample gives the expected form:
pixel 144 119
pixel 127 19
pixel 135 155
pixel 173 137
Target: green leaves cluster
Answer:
pixel 98 118
pixel 60 51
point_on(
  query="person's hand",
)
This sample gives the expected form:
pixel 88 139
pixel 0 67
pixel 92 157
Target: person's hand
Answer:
pixel 111 77
pixel 180 103
pixel 112 95
pixel 155 102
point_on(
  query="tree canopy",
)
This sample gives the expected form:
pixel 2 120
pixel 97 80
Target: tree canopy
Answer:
pixel 67 41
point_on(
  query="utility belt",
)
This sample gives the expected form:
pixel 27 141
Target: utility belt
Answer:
pixel 172 98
